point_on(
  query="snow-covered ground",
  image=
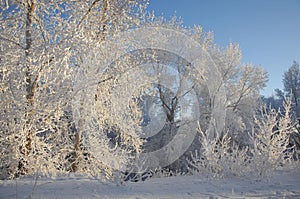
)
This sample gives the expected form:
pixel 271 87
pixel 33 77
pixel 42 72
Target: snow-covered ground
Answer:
pixel 282 184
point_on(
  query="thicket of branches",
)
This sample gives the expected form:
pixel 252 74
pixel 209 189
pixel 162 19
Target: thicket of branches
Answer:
pixel 269 148
pixel 43 45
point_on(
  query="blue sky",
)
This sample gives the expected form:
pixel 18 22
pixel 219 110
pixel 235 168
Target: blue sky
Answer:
pixel 268 31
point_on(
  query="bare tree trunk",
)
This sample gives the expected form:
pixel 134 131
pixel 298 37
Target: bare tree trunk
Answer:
pixel 169 110
pixel 30 86
pixel 74 159
pixel 31 83
pixel 78 139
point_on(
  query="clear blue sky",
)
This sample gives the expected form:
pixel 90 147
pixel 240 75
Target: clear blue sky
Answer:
pixel 268 31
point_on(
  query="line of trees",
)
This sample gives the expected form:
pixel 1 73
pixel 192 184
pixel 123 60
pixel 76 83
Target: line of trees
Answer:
pixel 48 48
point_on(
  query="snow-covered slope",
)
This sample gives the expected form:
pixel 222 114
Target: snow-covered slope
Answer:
pixel 283 184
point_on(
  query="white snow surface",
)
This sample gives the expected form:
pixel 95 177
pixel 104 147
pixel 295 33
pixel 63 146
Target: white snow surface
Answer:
pixel 282 184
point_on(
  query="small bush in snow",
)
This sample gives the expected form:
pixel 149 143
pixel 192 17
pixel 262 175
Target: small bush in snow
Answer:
pixel 219 157
pixel 270 140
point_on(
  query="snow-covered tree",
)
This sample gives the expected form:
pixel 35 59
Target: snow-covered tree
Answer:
pixel 291 83
pixel 243 83
pixel 43 45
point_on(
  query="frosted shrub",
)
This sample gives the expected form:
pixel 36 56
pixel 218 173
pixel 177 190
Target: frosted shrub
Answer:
pixel 269 148
pixel 219 157
pixel 236 162
pixel 270 140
